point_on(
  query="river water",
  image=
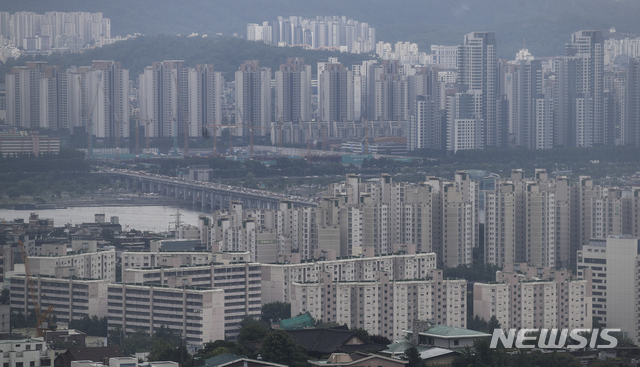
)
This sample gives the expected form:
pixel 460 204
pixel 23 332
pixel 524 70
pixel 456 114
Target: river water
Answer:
pixel 145 218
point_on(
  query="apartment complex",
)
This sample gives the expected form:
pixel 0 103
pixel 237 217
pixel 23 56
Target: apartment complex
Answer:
pixel 42 32
pixel 382 306
pixel 355 217
pixel 277 279
pixel 176 100
pixel 322 32
pixel 526 296
pixel 196 314
pixel 41 96
pixel 382 294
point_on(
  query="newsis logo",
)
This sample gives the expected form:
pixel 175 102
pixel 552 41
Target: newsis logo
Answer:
pixel 548 338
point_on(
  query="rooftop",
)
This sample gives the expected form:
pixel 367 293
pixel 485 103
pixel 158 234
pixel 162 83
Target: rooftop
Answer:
pixel 444 331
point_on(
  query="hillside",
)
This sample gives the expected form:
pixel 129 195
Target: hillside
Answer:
pixel 225 53
pixel 546 24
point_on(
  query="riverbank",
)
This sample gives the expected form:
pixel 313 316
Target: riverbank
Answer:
pixel 95 201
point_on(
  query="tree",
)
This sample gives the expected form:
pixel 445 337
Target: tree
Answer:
pixel 212 349
pixel 319 324
pixel 278 347
pixel 379 339
pixel 161 351
pixel 609 362
pixel 275 311
pixel 17 320
pixel 93 326
pixel 413 356
pixel 362 334
pixel 493 324
pixel 4 296
pixel 252 332
pixel 13 192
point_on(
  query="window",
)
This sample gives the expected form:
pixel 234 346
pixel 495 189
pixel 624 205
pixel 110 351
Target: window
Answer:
pixel 456 342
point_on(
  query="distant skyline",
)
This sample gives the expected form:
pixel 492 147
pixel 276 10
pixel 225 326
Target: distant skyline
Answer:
pixel 545 24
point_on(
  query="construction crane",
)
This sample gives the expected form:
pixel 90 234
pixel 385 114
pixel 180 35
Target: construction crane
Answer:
pixel 366 137
pixel 186 137
pixel 251 130
pixel 325 137
pixel 118 121
pixel 40 317
pixel 215 136
pixel 146 134
pixel 279 132
pixel 174 115
pixel 89 114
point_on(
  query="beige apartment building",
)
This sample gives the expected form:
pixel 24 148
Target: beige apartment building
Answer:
pixel 277 279
pixel 535 297
pixel 198 315
pixel 240 281
pixel 72 299
pixel 383 306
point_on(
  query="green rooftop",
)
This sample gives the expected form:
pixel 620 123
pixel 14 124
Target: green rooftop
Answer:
pixel 298 322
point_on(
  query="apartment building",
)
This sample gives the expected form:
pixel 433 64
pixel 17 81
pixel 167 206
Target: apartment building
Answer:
pixel 145 259
pixel 382 306
pixel 277 279
pixel 25 352
pixel 614 263
pixel 198 315
pixel 239 280
pixel 535 297
pixel 72 299
pixel 90 265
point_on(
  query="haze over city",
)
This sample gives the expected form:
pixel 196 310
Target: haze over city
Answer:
pixel 247 183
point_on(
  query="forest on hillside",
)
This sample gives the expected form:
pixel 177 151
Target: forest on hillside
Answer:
pixel 225 53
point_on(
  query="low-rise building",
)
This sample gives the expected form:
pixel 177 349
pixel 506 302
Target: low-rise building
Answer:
pixel 425 333
pixel 198 315
pixel 25 352
pixel 23 142
pixel 360 360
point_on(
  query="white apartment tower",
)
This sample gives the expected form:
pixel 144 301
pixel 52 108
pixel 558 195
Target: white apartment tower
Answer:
pixel 293 91
pixel 335 93
pixel 477 64
pixel 205 101
pixel 253 99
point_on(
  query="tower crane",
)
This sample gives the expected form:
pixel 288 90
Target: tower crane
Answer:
pixel 40 316
pixel 146 134
pixel 90 113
